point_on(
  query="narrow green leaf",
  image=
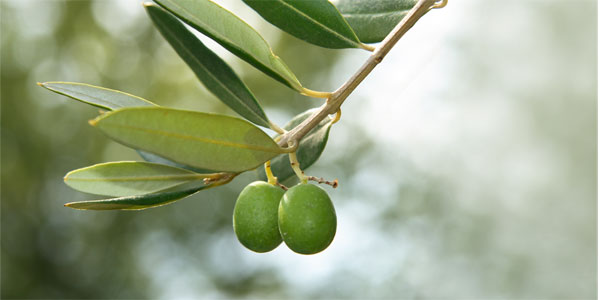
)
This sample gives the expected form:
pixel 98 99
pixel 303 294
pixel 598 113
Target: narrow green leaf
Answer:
pixel 202 140
pixel 128 178
pixel 308 152
pixel 372 20
pixel 136 202
pixel 317 21
pixel 94 95
pixel 214 73
pixel 233 34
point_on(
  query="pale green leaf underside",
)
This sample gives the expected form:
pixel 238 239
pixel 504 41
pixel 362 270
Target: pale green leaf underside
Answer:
pixel 212 71
pixel 128 178
pixel 233 34
pixel 94 95
pixel 372 20
pixel 202 140
pixel 136 202
pixel 151 157
pixel 308 152
pixel 317 21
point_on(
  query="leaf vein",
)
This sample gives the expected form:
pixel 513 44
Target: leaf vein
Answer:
pixel 335 33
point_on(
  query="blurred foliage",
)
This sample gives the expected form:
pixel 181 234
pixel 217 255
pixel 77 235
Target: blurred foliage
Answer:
pixel 467 161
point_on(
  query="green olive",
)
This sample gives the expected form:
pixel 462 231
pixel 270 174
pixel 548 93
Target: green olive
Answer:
pixel 255 216
pixel 307 220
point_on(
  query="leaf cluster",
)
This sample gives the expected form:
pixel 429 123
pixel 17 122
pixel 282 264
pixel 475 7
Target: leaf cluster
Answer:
pixel 185 152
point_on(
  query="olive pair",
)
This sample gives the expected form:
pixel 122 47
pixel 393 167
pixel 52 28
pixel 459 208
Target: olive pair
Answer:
pixel 303 217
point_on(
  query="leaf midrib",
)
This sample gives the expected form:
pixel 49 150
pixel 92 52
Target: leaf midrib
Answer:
pixel 319 24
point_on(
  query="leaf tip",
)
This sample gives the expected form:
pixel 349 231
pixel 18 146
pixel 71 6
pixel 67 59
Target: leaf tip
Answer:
pixel 76 205
pixel 93 122
pixel 40 84
pixel 69 205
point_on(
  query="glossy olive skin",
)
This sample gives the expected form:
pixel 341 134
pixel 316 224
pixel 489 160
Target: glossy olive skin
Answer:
pixel 255 216
pixel 307 220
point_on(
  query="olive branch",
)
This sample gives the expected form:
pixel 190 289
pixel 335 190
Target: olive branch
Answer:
pixel 185 152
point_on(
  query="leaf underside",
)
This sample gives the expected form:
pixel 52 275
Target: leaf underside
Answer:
pixel 308 152
pixel 128 178
pixel 372 20
pixel 234 35
pixel 202 140
pixel 94 95
pixel 151 157
pixel 317 21
pixel 212 71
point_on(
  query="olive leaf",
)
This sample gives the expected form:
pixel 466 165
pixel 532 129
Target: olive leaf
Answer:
pixel 127 178
pixel 308 152
pixel 234 35
pixel 317 21
pixel 202 140
pixel 94 95
pixel 212 71
pixel 372 20
pixel 136 202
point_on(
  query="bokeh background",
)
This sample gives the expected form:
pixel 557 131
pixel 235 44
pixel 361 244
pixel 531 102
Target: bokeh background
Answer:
pixel 467 161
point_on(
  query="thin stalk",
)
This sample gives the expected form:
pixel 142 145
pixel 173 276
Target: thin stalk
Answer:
pixel 296 167
pixel 270 177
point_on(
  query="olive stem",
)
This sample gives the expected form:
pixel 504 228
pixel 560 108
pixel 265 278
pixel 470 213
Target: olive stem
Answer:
pixel 270 177
pixel 276 128
pixel 296 167
pixel 315 94
pixel 338 116
pixel 335 99
pixel 367 47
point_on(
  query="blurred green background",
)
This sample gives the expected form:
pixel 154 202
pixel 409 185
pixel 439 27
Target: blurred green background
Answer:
pixel 467 161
